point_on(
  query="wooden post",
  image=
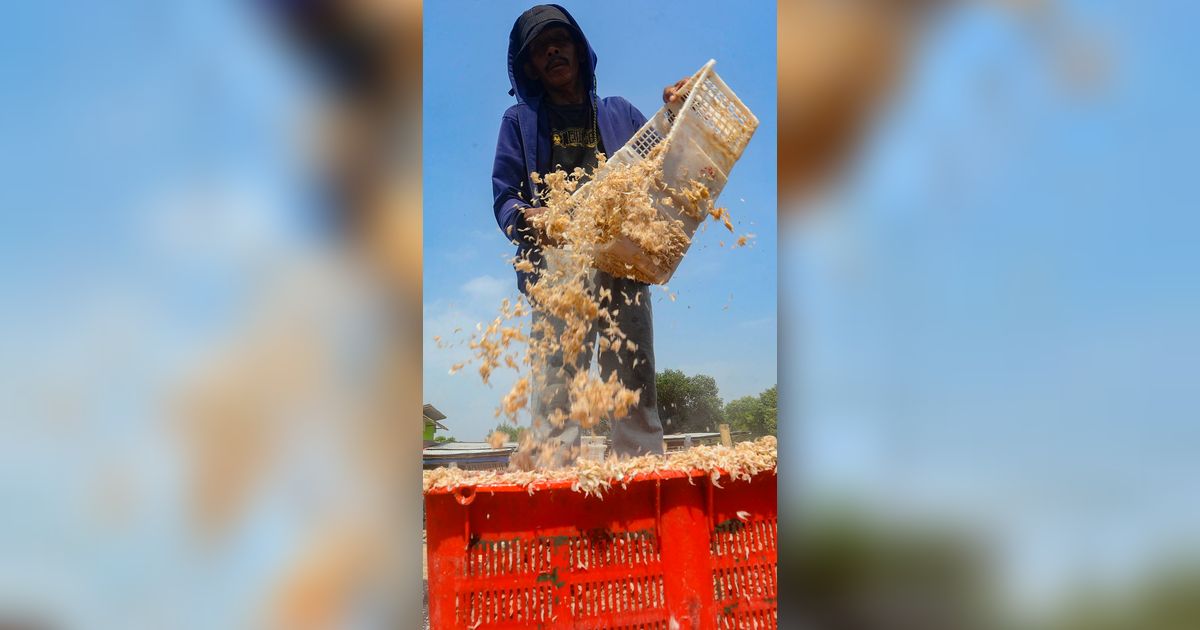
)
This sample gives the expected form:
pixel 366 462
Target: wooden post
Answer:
pixel 726 439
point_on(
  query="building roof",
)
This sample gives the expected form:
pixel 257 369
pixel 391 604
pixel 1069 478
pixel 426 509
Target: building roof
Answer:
pixel 459 448
pixel 464 454
pixel 432 416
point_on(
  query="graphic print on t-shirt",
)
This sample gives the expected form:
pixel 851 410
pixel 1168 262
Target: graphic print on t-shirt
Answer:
pixel 574 139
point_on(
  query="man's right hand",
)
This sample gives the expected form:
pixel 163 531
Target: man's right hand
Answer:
pixel 542 237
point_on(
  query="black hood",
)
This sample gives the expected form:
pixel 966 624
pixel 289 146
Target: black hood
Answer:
pixel 525 29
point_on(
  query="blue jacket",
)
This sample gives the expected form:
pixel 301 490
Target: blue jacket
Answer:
pixel 524 144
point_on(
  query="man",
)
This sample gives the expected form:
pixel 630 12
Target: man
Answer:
pixel 560 123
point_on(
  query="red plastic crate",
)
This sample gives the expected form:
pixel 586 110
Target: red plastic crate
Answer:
pixel 669 550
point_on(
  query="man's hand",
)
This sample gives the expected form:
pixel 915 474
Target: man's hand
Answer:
pixel 674 92
pixel 542 237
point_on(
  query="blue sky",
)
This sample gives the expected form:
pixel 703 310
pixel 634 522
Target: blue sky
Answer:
pixel 466 276
pixel 994 319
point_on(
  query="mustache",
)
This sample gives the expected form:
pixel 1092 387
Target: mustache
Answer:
pixel 556 60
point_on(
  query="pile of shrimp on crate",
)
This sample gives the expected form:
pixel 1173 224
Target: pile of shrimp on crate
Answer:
pixel 682 541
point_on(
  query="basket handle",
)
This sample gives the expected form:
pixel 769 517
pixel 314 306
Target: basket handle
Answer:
pixel 699 76
pixel 465 495
pixel 688 89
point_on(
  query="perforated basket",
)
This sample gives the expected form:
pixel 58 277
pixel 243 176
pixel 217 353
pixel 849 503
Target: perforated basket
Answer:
pixel 706 132
pixel 666 551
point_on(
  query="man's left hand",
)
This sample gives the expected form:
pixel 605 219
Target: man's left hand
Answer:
pixel 674 92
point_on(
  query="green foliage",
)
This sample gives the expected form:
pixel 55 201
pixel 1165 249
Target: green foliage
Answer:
pixel 757 414
pixel 853 569
pixel 443 438
pixel 1165 597
pixel 856 570
pixel 688 403
pixel 513 432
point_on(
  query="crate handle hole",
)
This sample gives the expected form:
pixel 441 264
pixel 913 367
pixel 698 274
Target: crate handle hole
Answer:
pixel 464 495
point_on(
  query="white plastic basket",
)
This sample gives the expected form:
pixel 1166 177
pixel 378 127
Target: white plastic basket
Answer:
pixel 707 132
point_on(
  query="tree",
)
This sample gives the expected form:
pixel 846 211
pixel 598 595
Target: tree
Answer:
pixel 745 414
pixel 443 438
pixel 672 388
pixel 513 432
pixel 756 414
pixel 855 570
pixel 1164 596
pixel 688 403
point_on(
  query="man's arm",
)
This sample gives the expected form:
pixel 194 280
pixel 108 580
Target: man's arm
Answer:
pixel 509 181
pixel 637 117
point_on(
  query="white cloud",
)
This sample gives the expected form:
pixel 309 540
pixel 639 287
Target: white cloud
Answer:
pixel 486 287
pixel 468 403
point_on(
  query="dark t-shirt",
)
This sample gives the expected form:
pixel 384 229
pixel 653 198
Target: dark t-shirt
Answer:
pixel 574 137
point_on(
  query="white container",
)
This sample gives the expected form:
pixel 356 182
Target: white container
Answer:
pixel 706 133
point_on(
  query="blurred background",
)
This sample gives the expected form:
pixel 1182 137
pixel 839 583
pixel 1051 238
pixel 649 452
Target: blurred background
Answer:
pixel 987 294
pixel 211 250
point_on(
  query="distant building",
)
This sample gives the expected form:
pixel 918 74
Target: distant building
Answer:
pixel 432 418
pixel 466 455
pixel 680 441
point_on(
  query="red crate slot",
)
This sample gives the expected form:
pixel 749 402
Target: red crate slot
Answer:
pixel 663 550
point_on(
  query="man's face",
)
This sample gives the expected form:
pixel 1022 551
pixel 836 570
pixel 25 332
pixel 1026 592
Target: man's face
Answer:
pixel 552 58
